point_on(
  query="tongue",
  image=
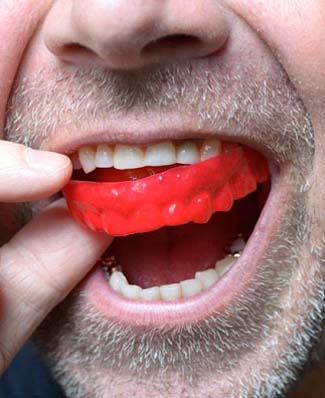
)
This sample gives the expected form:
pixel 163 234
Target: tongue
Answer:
pixel 173 254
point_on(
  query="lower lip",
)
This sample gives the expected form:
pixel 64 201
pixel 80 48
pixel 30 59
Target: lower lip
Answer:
pixel 214 300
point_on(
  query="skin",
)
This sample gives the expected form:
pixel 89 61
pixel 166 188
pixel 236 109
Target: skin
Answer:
pixel 41 262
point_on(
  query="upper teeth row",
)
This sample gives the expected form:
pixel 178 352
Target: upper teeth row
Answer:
pixel 161 154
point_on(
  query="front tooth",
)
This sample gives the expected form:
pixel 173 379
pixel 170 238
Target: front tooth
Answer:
pixel 161 154
pixel 170 292
pixel 210 148
pixel 128 157
pixel 224 265
pixel 187 153
pixel 190 287
pixel 207 277
pixel 117 280
pixel 150 294
pixel 104 156
pixel 87 158
pixel 131 291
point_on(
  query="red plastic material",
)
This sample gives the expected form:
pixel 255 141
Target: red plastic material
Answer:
pixel 173 197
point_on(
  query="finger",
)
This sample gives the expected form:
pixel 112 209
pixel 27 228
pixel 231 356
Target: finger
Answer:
pixel 38 268
pixel 27 174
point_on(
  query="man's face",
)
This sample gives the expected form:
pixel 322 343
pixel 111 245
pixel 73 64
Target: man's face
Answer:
pixel 141 72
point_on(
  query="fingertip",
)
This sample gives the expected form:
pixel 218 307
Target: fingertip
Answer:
pixel 52 163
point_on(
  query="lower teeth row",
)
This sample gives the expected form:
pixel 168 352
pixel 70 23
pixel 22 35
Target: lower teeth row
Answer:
pixel 202 281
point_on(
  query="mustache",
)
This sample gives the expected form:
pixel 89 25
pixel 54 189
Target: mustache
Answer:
pixel 259 104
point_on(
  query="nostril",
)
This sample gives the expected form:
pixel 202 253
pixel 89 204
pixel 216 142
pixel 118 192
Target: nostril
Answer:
pixel 72 49
pixel 171 43
pixel 129 35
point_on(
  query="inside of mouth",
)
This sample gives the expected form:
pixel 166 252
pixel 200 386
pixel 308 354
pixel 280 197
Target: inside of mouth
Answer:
pixel 174 254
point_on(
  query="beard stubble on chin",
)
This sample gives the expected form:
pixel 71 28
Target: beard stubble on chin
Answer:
pixel 278 322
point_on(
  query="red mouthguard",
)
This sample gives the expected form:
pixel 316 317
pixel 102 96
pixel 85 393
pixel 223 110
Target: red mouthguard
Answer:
pixel 173 197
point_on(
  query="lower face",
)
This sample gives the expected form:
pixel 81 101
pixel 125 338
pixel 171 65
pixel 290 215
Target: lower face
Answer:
pixel 230 302
pixel 251 319
pixel 251 332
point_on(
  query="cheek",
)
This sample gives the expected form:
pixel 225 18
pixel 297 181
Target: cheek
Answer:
pixel 295 32
pixel 317 193
pixel 18 21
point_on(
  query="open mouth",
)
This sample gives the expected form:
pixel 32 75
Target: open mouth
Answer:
pixel 181 213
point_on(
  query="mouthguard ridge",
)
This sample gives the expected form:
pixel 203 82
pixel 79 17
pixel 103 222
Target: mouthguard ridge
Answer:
pixel 174 197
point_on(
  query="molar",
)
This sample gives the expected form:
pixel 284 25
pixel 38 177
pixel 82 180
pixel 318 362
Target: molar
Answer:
pixel 237 246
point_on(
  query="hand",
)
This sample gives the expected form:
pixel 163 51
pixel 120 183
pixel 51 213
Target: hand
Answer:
pixel 41 263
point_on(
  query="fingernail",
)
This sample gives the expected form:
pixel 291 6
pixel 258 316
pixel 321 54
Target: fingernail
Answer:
pixel 50 162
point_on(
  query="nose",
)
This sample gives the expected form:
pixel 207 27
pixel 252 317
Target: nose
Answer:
pixel 131 34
